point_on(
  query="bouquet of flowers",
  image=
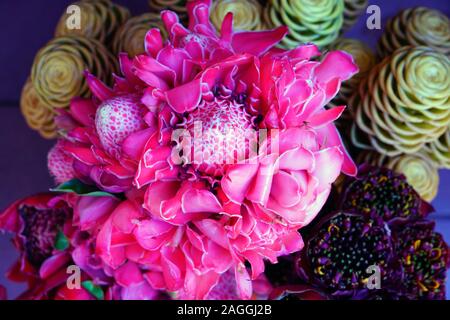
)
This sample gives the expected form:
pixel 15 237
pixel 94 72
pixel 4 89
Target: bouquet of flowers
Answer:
pixel 200 172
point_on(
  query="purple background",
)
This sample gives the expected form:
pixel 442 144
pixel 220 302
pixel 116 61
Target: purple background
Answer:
pixel 25 26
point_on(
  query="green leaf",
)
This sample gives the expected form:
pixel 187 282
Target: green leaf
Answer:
pixel 61 241
pixel 93 289
pixel 78 187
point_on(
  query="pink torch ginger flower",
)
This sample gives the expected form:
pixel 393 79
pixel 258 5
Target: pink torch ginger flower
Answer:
pixel 106 135
pixel 200 211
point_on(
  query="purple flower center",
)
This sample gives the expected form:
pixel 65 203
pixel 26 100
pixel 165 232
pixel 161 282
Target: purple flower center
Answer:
pixel 385 194
pixel 423 256
pixel 344 247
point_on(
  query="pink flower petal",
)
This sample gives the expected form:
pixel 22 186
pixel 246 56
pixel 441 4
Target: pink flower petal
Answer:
pixel 336 64
pixel 257 43
pixel 185 97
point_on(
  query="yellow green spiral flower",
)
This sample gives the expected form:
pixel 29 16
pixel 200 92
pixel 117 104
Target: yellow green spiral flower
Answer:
pixel 316 21
pixel 417 27
pixel 58 69
pixel 38 115
pixel 364 58
pixel 352 11
pixel 420 172
pixel 130 37
pixel 404 102
pixel 439 150
pixel 99 20
pixel 247 14
pixel 179 6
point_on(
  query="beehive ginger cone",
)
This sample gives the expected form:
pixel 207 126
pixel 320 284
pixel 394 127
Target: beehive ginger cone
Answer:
pixel 179 6
pixel 130 37
pixel 247 14
pixel 364 58
pixel 100 19
pixel 420 172
pixel 38 115
pixel 352 10
pixel 316 21
pixel 404 102
pixel 58 69
pixel 419 26
pixel 439 150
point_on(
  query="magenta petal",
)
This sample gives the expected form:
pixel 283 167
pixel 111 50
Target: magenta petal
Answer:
pixel 10 219
pixel 128 274
pixel 53 264
pixel 336 64
pixel 217 258
pixel 213 230
pixel 325 117
pixel 156 280
pixel 139 291
pixel 226 30
pixel 153 42
pixel 83 110
pixel 197 286
pixel 171 270
pixel 169 19
pixel 92 210
pixel 328 166
pixel 125 216
pixel 257 42
pixel 297 159
pixel 243 282
pixel 330 135
pixel 303 52
pixel 154 73
pixel 259 191
pixel 237 181
pixel 194 200
pixel 113 257
pixel 98 88
pixel 191 8
pixel 185 97
pixel 285 189
pixel 292 242
pixel 133 145
pixel 173 58
pixel 256 262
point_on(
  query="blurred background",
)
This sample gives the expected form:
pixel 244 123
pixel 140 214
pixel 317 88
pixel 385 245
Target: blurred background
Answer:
pixel 25 26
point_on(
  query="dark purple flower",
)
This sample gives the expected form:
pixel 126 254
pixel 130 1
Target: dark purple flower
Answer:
pixel 383 193
pixel 341 248
pixel 424 256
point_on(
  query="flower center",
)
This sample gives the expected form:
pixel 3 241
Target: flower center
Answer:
pixel 343 249
pixel 41 228
pixel 386 194
pixel 221 133
pixel 116 119
pixel 423 257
